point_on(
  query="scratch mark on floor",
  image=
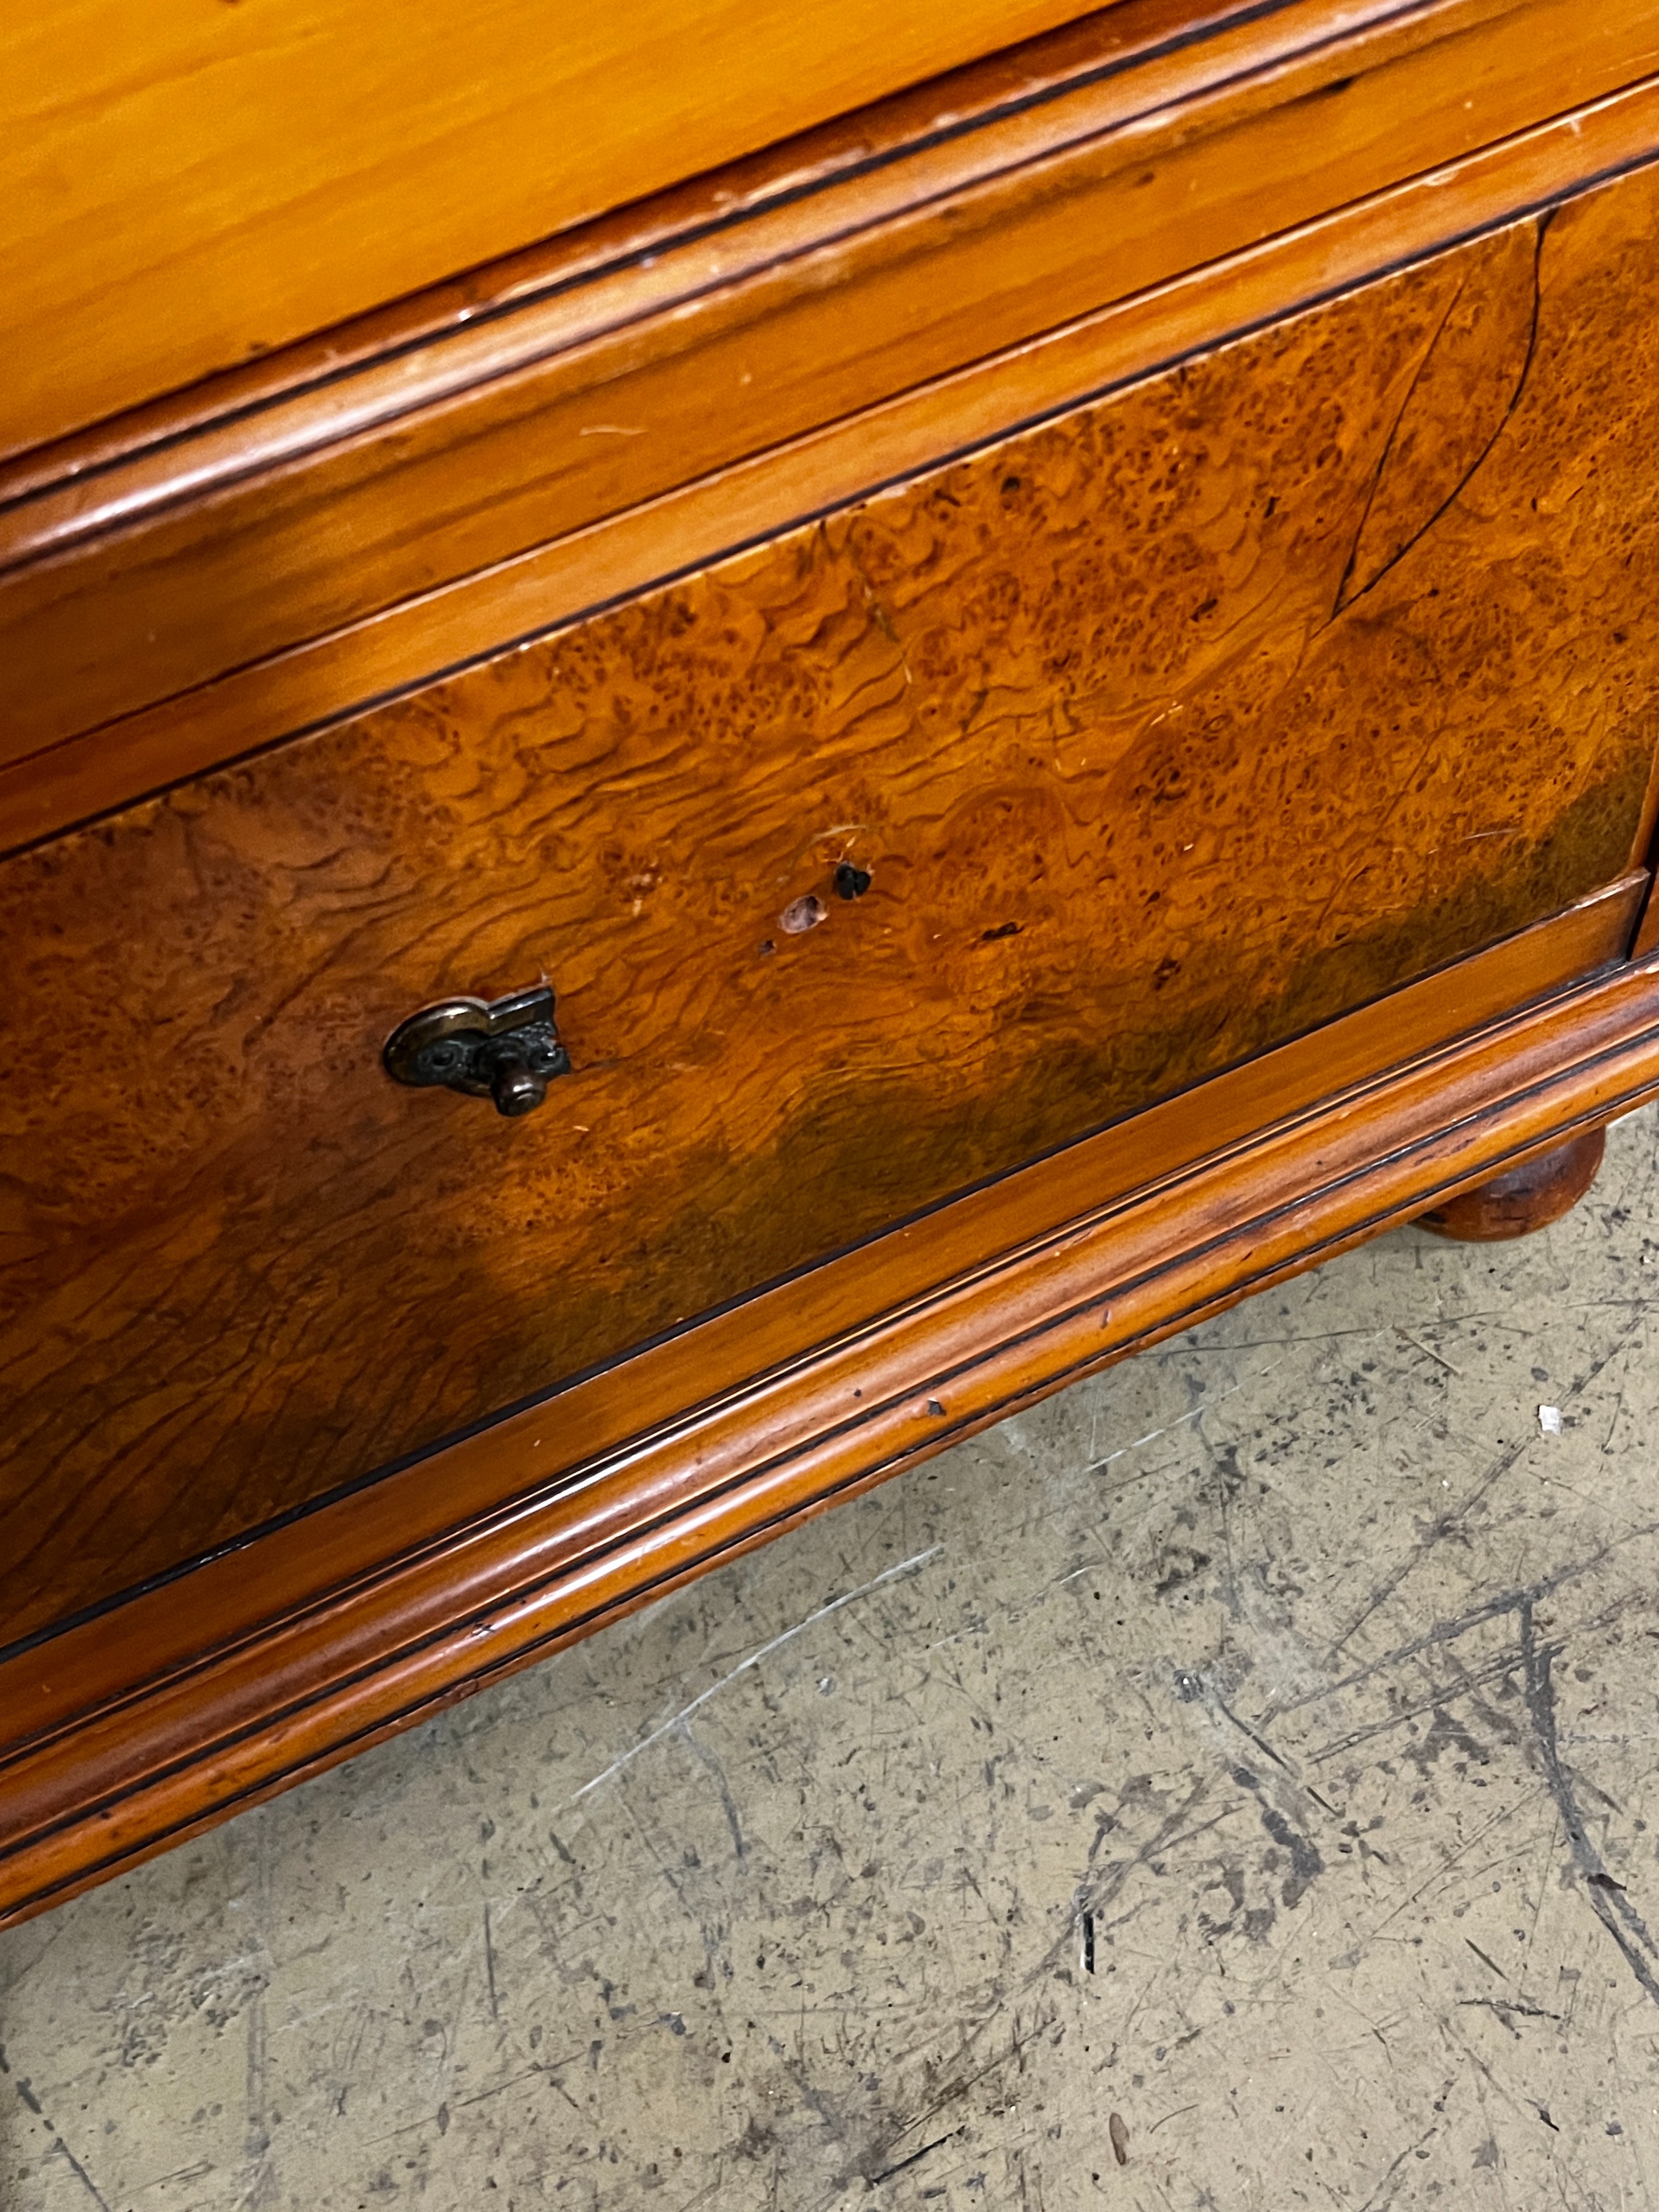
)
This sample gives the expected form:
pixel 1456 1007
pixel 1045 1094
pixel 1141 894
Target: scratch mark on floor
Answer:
pixel 1410 2151
pixel 1608 1898
pixel 1428 1350
pixel 677 1723
pixel 80 2172
pixel 543 2069
pixel 59 2147
pixel 1505 2006
pixel 261 2184
pixel 489 1965
pixel 1185 1420
pixel 1486 1961
pixel 1446 1522
pixel 1448 1632
pixel 1503 1662
pixel 887 2172
pixel 1442 1526
pixel 716 1772
pixel 1090 1899
pixel 1441 1873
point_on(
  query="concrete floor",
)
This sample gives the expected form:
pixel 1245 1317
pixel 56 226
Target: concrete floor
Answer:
pixel 1249 1756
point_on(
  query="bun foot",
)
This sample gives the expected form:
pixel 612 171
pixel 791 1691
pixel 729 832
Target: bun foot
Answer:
pixel 1526 1198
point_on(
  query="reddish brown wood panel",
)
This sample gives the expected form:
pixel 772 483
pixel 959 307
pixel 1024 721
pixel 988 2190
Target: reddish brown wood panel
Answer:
pixel 135 1730
pixel 122 586
pixel 1522 1199
pixel 1165 731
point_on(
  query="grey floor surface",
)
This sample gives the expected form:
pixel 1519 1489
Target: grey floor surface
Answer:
pixel 1250 1755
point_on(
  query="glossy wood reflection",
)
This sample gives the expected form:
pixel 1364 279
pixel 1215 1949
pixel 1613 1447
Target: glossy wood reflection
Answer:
pixel 210 542
pixel 1162 733
pixel 187 185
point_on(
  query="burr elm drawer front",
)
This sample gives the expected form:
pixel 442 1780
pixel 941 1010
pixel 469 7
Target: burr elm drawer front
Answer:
pixel 862 866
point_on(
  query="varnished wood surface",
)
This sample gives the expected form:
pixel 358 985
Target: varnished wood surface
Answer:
pixel 79 778
pixel 880 145
pixel 284 522
pixel 1166 731
pixel 1522 1199
pixel 127 1734
pixel 189 185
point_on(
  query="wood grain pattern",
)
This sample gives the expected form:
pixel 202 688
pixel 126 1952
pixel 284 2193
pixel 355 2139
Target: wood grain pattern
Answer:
pixel 1149 771
pixel 717 1362
pixel 332 165
pixel 83 777
pixel 126 1735
pixel 284 524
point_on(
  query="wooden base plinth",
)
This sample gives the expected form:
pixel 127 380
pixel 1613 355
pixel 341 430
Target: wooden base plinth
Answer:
pixel 1540 1191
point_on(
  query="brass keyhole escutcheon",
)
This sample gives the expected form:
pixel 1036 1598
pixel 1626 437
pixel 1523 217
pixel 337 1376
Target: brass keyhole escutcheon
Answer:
pixel 505 1049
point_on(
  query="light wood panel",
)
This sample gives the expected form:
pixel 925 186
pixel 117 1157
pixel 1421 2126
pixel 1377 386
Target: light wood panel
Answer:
pixel 1167 730
pixel 187 185
pixel 203 552
pixel 961 103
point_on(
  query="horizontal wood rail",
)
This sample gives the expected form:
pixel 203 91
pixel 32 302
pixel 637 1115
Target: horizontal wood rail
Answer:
pixel 185 186
pixel 274 548
pixel 230 1680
